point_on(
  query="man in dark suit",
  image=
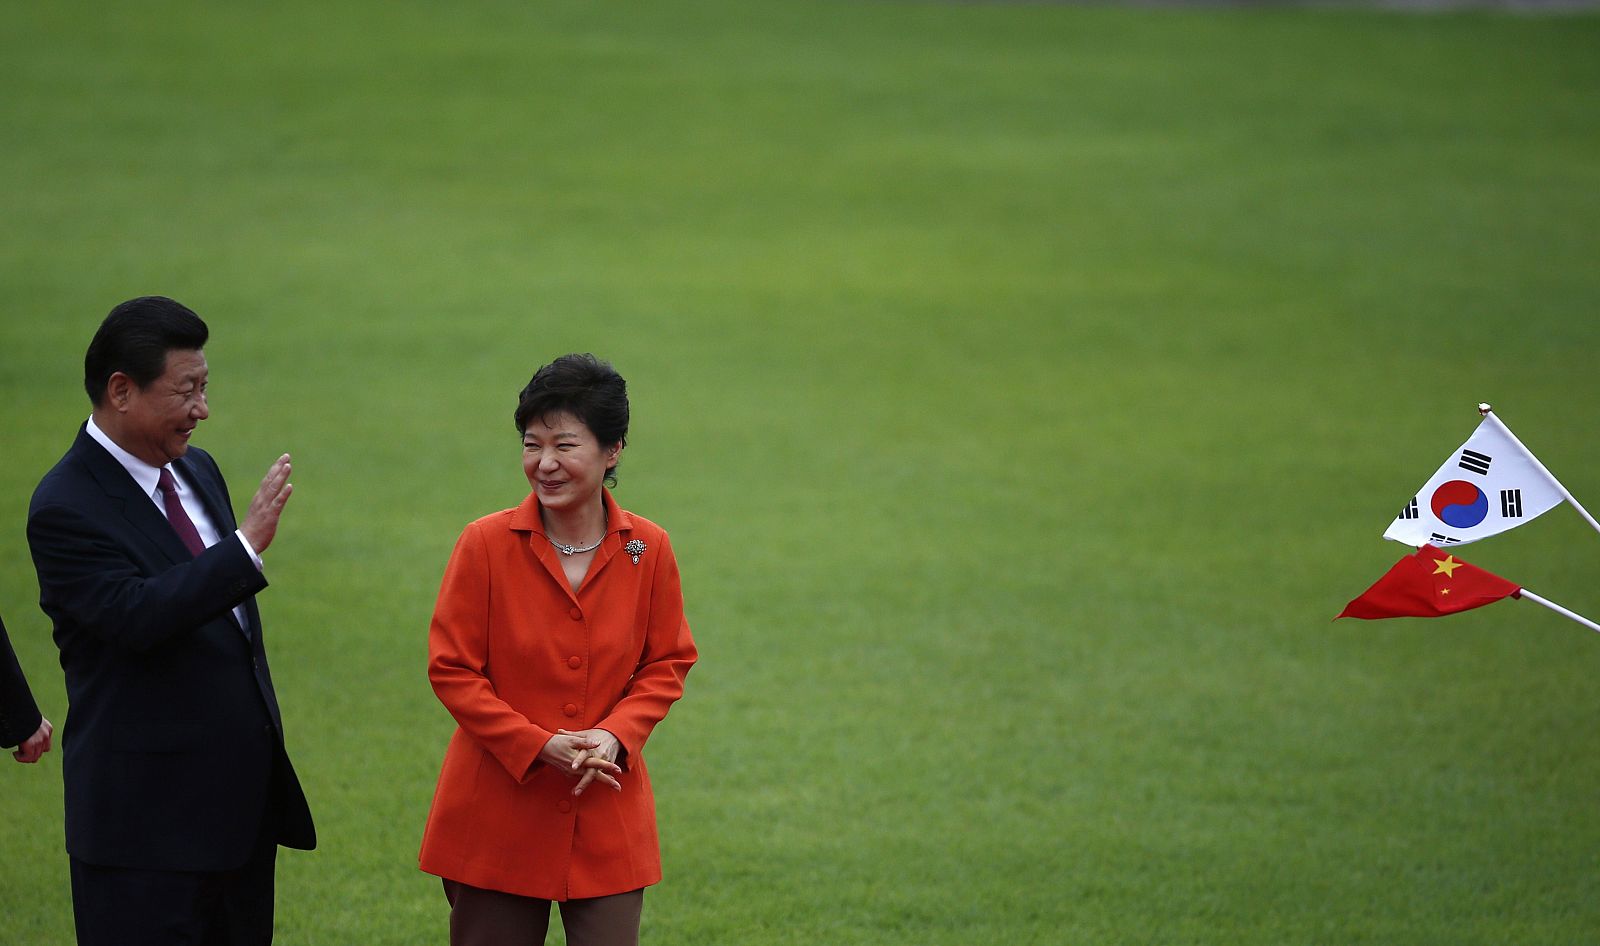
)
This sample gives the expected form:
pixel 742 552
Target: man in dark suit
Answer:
pixel 20 722
pixel 177 785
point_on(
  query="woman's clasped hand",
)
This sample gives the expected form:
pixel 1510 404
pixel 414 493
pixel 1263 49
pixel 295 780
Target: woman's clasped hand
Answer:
pixel 588 756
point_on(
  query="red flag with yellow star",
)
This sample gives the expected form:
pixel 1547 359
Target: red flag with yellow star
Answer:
pixel 1429 584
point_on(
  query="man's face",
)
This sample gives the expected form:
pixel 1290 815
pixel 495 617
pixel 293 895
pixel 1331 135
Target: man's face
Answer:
pixel 157 420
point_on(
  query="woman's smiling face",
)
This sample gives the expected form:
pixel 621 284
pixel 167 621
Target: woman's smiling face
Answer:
pixel 564 462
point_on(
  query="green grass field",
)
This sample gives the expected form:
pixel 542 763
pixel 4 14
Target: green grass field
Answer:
pixel 1025 387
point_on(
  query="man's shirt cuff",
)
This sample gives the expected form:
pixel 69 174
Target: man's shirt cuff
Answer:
pixel 248 548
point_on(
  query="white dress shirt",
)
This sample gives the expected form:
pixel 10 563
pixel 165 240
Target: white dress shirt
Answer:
pixel 148 477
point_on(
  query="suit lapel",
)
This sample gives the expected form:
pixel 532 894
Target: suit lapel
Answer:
pixel 141 513
pixel 618 527
pixel 210 494
pixel 137 509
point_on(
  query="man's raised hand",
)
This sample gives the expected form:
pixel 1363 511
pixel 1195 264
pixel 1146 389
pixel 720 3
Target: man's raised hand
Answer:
pixel 261 520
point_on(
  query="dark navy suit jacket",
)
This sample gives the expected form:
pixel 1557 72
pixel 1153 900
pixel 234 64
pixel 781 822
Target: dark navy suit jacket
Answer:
pixel 172 751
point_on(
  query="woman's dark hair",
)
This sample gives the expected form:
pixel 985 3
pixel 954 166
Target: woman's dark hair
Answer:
pixel 588 389
pixel 135 338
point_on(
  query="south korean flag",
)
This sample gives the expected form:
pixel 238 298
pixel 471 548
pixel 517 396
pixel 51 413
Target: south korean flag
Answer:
pixel 1490 485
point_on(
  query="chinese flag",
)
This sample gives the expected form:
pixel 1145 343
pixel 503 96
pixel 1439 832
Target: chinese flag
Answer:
pixel 1429 584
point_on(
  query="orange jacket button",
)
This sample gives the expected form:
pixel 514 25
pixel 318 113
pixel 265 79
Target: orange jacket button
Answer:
pixel 574 662
pixel 563 806
pixel 577 614
pixel 571 709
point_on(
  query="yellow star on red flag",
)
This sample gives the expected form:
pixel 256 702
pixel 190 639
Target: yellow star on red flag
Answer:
pixel 1412 588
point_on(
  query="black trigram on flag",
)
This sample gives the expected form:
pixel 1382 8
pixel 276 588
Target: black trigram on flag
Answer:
pixel 1410 512
pixel 1511 503
pixel 1438 539
pixel 1475 462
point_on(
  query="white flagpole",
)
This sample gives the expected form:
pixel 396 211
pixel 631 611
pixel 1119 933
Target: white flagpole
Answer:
pixel 1488 413
pixel 1525 593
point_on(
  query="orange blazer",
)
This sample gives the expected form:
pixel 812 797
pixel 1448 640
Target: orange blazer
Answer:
pixel 514 655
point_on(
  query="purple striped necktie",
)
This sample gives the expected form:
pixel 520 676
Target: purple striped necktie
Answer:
pixel 181 523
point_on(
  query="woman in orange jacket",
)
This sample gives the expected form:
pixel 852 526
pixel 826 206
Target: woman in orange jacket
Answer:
pixel 558 642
